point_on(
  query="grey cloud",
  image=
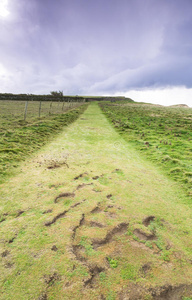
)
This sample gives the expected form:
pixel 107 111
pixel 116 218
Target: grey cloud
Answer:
pixel 95 46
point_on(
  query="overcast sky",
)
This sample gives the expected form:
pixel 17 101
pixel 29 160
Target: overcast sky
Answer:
pixel 103 47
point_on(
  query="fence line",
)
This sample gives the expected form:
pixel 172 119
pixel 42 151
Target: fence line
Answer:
pixel 54 107
pixel 35 109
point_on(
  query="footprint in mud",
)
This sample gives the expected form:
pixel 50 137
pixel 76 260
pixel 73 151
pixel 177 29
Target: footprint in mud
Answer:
pixel 64 195
pixel 81 175
pixel 49 280
pixel 10 241
pixel 5 253
pixel 144 236
pixel 19 213
pixel 81 222
pixel 148 220
pixel 145 269
pixel 94 272
pixel 9 265
pixel 54 248
pixel 57 217
pixel 47 211
pixel 80 186
pixel 96 209
pixel 95 177
pixel 43 297
pixel 2 220
pixel 117 230
pixel 81 249
pixel 62 214
pixel 96 224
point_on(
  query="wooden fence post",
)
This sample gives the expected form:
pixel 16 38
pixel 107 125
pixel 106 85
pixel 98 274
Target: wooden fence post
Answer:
pixel 39 109
pixel 25 114
pixel 50 108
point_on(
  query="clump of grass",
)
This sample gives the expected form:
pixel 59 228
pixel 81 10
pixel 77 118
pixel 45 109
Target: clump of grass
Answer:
pixel 129 272
pixel 113 262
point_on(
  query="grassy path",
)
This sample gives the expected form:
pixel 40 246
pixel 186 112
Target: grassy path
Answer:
pixel 88 218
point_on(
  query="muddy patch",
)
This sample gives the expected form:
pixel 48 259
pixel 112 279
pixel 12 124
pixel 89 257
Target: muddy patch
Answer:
pixel 43 297
pixel 97 190
pixel 148 220
pixel 78 251
pixel 10 241
pixel 2 219
pixel 5 253
pixel 95 177
pixel 62 214
pixel 47 211
pixel 169 292
pixel 111 215
pixel 81 222
pixel 57 217
pixel 54 248
pixel 50 279
pixel 96 209
pixel 64 195
pixel 80 186
pixel 56 164
pixel 81 175
pixel 96 224
pixel 144 236
pixel 146 268
pixel 19 213
pixel 9 265
pixel 94 272
pixel 119 229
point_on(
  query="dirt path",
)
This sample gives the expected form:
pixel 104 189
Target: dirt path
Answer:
pixel 88 218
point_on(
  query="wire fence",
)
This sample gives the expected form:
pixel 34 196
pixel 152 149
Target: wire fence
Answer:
pixel 32 109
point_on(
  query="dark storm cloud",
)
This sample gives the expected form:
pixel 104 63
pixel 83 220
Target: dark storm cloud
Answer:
pixel 84 47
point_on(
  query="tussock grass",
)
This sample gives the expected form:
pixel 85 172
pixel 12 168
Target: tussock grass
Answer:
pixel 19 138
pixel 162 134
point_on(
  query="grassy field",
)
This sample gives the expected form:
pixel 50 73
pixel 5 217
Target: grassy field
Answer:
pixel 87 217
pixel 19 138
pixel 162 134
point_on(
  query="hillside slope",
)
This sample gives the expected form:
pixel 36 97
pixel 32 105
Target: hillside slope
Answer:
pixel 88 218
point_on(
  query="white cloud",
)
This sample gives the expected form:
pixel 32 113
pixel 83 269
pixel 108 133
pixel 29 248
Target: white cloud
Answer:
pixel 4 12
pixel 165 96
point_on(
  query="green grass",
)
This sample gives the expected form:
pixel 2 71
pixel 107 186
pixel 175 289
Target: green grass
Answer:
pixel 19 138
pixel 98 244
pixel 162 134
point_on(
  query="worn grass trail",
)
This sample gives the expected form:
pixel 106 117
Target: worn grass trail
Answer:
pixel 88 218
